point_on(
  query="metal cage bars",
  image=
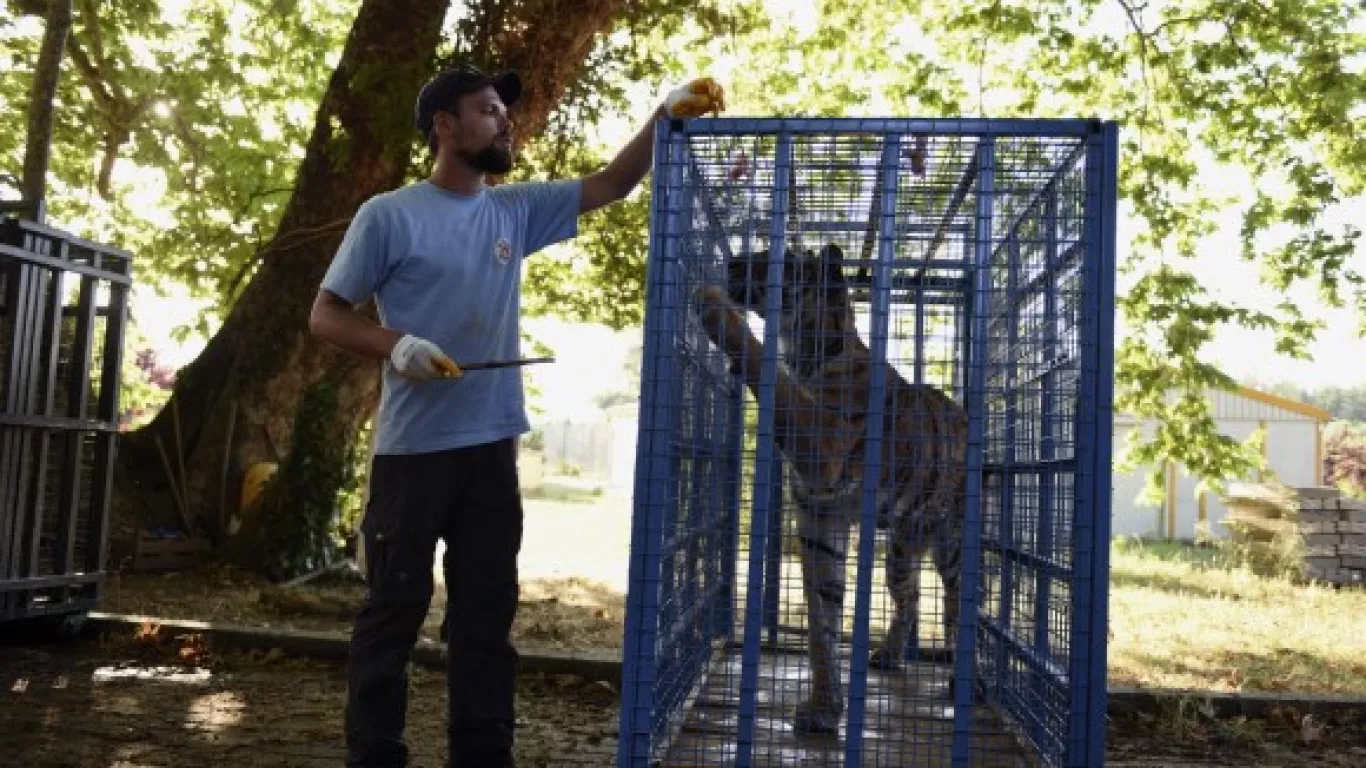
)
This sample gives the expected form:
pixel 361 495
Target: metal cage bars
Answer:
pixel 650 718
pixel 64 306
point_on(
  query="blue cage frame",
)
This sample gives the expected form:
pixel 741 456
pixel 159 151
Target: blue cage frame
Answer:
pixel 1031 645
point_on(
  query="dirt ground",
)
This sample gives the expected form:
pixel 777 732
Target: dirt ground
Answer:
pixel 128 704
pixel 135 702
pixel 573 568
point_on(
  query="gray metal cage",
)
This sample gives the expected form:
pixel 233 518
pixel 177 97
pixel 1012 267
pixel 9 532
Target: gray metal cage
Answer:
pixel 63 307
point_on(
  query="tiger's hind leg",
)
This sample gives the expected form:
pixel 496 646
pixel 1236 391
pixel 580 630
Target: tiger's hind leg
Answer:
pixel 948 561
pixel 947 553
pixel 904 552
pixel 823 531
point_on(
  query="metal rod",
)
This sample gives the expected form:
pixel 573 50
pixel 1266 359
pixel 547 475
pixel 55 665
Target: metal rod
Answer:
pixel 730 544
pixel 960 194
pixel 970 570
pixel 1103 193
pixel 961 126
pixel 56 422
pixel 873 458
pixel 1041 665
pixel 1006 480
pixel 1039 563
pixel 51 347
pixel 773 567
pixel 654 465
pixel 9 509
pixel 17 479
pixel 1047 440
pixel 38 582
pixel 77 401
pixel 50 262
pixel 763 462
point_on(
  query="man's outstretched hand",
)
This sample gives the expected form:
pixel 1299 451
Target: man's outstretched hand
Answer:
pixel 696 98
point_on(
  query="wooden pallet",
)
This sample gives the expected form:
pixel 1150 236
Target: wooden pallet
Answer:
pixel 1334 532
pixel 1329 530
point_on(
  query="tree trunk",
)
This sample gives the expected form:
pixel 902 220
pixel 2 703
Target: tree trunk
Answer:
pixel 38 148
pixel 234 407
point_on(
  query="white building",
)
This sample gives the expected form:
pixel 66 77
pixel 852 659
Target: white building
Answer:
pixel 603 449
pixel 1293 450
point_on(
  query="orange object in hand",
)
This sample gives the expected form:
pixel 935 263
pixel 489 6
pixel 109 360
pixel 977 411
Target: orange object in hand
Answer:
pixel 447 368
pixel 696 98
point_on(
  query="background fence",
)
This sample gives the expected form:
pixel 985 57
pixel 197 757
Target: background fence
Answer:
pixel 63 304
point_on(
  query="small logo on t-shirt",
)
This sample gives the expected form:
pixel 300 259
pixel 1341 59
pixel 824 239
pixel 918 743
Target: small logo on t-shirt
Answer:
pixel 502 250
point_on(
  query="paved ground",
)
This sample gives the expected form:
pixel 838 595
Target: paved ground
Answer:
pixel 161 702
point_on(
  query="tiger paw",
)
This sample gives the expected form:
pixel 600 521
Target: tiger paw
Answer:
pixel 717 313
pixel 816 718
pixel 710 294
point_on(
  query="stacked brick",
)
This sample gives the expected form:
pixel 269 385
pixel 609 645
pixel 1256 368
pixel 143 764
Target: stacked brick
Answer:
pixel 1334 532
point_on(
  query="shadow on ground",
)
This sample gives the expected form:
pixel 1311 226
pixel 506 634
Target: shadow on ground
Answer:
pixel 170 702
pixel 166 701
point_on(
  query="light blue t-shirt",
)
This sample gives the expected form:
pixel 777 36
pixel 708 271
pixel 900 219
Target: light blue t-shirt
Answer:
pixel 447 267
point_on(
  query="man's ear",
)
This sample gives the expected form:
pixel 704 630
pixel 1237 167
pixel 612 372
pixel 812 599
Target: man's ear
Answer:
pixel 444 121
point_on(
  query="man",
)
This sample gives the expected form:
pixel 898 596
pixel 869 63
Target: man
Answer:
pixel 442 258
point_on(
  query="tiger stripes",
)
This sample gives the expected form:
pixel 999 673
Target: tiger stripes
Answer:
pixel 822 397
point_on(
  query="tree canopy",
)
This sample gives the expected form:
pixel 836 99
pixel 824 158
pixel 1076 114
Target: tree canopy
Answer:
pixel 213 102
pixel 1270 91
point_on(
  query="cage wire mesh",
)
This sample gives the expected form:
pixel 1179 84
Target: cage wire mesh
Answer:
pixel 873 467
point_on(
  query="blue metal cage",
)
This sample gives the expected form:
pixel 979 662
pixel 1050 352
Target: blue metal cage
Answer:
pixel 872 488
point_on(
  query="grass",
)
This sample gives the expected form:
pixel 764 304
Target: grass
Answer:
pixel 562 489
pixel 1180 616
pixel 1189 617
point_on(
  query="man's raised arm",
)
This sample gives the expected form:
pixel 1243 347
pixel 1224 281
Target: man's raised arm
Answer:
pixel 633 161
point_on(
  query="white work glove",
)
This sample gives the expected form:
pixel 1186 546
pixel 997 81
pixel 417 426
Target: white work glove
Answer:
pixel 696 98
pixel 420 359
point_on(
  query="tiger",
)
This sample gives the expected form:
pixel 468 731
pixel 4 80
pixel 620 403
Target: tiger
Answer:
pixel 821 398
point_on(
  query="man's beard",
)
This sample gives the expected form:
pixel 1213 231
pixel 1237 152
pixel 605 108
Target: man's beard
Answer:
pixel 490 159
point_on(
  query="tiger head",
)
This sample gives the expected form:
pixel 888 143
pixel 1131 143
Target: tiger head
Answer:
pixel 817 314
pixel 811 283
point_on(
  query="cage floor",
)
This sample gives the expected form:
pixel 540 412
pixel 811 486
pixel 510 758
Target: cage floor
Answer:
pixel 909 720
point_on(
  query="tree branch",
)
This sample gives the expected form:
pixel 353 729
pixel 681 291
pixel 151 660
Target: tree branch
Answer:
pixel 31 7
pixel 186 134
pixel 1144 41
pixel 104 99
pixel 1175 21
pixel 42 95
pixel 112 101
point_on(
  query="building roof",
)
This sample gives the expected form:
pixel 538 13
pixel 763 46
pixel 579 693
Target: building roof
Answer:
pixel 1285 403
pixel 1248 404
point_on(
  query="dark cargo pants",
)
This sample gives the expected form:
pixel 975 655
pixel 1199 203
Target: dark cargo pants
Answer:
pixel 469 498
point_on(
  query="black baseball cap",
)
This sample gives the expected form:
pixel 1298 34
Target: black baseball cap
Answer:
pixel 441 91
